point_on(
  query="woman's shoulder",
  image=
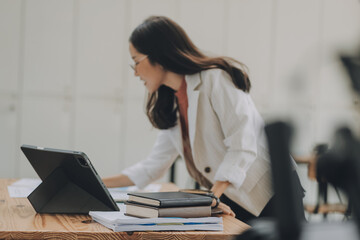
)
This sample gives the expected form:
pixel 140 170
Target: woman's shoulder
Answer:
pixel 218 82
pixel 207 78
pixel 215 73
pixel 216 77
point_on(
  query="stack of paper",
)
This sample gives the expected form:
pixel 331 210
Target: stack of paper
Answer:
pixel 118 222
pixel 23 187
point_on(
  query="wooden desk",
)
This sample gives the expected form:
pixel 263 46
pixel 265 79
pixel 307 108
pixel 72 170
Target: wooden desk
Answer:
pixel 310 161
pixel 18 220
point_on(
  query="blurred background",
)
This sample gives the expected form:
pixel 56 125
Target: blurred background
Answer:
pixel 65 80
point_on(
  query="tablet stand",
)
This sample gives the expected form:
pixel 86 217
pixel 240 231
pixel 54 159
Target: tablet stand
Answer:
pixel 58 194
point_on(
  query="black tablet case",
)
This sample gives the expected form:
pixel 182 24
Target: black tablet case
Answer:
pixel 70 183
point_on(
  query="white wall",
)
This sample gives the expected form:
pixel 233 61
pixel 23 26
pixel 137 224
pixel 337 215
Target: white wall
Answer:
pixel 65 80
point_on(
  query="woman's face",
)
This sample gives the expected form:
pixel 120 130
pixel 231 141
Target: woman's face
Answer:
pixel 152 75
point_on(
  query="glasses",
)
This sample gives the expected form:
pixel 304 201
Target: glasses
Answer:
pixel 133 66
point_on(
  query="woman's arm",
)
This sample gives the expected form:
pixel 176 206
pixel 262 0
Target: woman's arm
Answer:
pixel 118 181
pixel 162 156
pixel 219 188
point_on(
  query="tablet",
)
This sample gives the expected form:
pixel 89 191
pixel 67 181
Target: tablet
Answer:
pixel 70 184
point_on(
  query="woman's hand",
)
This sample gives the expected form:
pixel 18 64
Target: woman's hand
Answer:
pixel 218 189
pixel 226 209
pixel 117 181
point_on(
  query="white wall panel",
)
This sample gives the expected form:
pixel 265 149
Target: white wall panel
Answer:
pixel 341 26
pixel 10 29
pixel 335 86
pixel 249 30
pixel 340 34
pixel 10 40
pixel 45 122
pixel 206 31
pixel 100 40
pixel 141 9
pixel 297 38
pixel 303 121
pixel 139 134
pixel 48 45
pixel 8 130
pixel 182 177
pixel 97 133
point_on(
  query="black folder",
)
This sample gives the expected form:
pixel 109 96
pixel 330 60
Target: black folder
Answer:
pixel 70 184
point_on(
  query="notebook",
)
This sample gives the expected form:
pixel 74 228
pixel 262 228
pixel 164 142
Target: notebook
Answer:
pixel 170 199
pixel 145 211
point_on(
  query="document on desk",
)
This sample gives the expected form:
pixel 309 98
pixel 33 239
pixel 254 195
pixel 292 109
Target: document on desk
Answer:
pixel 23 187
pixel 117 221
pixel 120 194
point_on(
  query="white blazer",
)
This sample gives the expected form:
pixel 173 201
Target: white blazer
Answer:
pixel 227 141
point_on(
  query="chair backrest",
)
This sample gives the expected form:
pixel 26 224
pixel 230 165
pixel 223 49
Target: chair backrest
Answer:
pixel 288 214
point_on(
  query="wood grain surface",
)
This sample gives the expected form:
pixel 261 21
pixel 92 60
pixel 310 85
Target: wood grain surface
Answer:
pixel 18 220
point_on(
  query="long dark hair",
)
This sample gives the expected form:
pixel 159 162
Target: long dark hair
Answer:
pixel 166 43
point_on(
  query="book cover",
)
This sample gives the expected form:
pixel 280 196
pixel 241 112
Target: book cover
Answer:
pixel 145 211
pixel 170 199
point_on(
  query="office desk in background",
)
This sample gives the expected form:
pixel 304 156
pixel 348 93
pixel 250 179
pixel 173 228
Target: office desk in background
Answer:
pixel 18 220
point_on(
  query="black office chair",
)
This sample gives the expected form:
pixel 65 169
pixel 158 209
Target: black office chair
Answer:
pixel 287 225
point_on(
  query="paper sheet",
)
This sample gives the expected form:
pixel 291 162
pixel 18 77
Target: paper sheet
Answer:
pixel 23 187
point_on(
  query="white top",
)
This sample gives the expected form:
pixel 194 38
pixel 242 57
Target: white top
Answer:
pixel 226 134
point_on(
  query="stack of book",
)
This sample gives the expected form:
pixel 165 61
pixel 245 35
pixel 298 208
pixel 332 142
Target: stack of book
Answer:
pixel 119 222
pixel 168 204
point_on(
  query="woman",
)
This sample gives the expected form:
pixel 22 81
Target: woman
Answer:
pixel 202 107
